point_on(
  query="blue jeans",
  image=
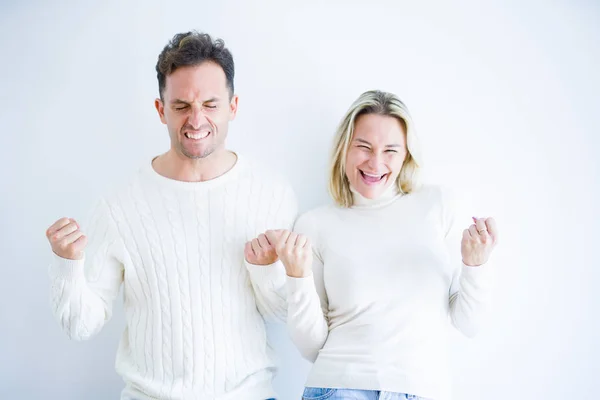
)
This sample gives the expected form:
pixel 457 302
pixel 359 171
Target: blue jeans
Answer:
pixel 354 394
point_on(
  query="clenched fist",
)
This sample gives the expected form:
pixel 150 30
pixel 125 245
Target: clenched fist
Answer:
pixel 478 241
pixel 66 239
pixel 294 250
pixel 260 251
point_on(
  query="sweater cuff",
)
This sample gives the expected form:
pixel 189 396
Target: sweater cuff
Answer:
pixel 480 275
pixel 270 276
pixel 63 268
pixel 298 286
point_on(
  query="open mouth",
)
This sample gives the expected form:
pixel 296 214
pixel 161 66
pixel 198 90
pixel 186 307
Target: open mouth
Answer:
pixel 371 179
pixel 197 135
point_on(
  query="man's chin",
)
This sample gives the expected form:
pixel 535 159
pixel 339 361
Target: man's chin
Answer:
pixel 197 155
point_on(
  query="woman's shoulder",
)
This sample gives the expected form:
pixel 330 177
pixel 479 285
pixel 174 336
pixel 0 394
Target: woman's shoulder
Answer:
pixel 315 219
pixel 434 193
pixel 429 189
pixel 317 213
pixel 317 223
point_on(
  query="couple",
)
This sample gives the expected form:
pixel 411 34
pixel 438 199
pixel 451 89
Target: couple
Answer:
pixel 201 240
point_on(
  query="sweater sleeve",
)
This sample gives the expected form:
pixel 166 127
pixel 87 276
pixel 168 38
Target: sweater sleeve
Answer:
pixel 268 281
pixel 470 289
pixel 83 291
pixel 307 300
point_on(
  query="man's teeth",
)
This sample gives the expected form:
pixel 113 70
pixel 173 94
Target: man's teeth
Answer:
pixel 199 135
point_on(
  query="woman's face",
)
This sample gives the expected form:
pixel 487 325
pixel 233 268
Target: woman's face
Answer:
pixel 376 154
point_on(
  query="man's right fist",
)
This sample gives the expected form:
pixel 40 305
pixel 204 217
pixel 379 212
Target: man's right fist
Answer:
pixel 66 239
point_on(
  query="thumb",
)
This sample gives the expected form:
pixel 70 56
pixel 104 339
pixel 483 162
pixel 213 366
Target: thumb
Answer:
pixel 273 236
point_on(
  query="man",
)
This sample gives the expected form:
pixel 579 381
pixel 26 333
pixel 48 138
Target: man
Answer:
pixel 176 238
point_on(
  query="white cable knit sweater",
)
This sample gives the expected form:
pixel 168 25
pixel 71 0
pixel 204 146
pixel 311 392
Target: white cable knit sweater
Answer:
pixel 194 308
pixel 387 281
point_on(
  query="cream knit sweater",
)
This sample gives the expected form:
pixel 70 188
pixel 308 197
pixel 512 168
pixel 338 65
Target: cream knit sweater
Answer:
pixel 194 308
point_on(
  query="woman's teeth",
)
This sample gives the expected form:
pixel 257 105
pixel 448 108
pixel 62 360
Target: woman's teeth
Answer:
pixel 372 178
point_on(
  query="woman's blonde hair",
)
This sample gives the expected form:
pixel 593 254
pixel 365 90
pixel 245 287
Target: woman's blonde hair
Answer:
pixel 380 103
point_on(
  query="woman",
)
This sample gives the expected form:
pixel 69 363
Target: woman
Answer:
pixel 371 283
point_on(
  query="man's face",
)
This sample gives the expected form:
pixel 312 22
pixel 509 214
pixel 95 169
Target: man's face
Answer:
pixel 197 108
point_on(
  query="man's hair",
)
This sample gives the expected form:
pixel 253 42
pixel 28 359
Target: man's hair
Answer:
pixel 190 49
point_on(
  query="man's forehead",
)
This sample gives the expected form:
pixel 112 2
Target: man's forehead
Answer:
pixel 192 85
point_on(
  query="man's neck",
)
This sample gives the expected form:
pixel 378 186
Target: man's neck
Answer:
pixel 181 168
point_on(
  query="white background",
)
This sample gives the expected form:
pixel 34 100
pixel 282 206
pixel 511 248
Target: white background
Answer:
pixel 504 97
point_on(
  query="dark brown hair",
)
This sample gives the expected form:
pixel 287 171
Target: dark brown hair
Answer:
pixel 193 48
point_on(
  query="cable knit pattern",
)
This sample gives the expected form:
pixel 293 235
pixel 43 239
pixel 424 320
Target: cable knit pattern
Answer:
pixel 140 292
pixel 194 308
pixel 156 245
pixel 176 223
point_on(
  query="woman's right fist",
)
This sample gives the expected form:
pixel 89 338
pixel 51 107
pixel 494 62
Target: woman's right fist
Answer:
pixel 66 240
pixel 294 251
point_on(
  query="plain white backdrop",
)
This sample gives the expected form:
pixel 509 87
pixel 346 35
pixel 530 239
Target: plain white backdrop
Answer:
pixel 505 100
